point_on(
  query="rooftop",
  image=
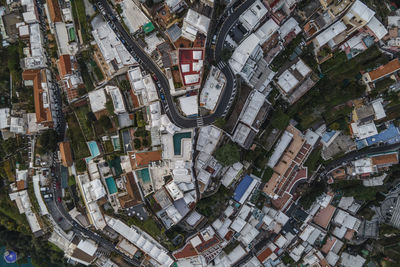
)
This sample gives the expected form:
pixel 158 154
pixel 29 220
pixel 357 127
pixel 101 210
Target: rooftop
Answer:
pixel 384 70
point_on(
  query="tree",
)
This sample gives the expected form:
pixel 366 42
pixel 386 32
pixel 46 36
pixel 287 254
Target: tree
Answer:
pixel 228 154
pixel 220 122
pixel 80 165
pixel 125 85
pixel 280 119
pixel 137 144
pixel 226 54
pixel 105 122
pixel 48 140
pixel 110 107
pixel 145 142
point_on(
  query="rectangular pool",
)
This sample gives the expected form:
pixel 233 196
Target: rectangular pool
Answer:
pixel 112 187
pixel 144 175
pixel 177 138
pixel 94 148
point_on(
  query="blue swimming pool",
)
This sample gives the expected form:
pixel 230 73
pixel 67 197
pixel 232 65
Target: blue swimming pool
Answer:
pixel 94 148
pixel 112 187
pixel 144 175
pixel 177 138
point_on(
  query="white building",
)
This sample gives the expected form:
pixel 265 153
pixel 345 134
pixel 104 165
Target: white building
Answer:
pixel 134 18
pixel 24 205
pixel 111 48
pixel 189 105
pixel 142 86
pixel 35 57
pixel 97 100
pixel 251 18
pixel 194 23
pixel 212 89
pixel 117 99
pixel 142 241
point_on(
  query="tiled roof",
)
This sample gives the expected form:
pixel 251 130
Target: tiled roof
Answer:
pixel 66 155
pixel 264 254
pixel 64 65
pixel 186 252
pixel 21 185
pixel 385 70
pixel 54 10
pixel 324 216
pixel 43 115
pixel 385 159
pixel 142 159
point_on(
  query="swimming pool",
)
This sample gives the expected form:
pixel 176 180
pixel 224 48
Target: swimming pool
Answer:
pixel 115 142
pixel 94 148
pixel 177 138
pixel 112 187
pixel 144 175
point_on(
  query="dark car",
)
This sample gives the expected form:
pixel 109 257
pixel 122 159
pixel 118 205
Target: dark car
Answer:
pixel 162 96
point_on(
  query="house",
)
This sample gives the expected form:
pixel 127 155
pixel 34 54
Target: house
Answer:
pixel 39 78
pixel 382 72
pixel 295 81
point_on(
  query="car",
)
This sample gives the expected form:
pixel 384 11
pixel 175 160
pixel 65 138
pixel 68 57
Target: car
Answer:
pixel 59 199
pixel 162 96
pixel 60 219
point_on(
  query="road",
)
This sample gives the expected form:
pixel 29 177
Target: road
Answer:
pixel 147 63
pixel 360 154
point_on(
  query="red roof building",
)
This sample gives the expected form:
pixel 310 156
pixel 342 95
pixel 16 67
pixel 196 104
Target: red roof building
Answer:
pixel 191 62
pixel 70 76
pixel 38 79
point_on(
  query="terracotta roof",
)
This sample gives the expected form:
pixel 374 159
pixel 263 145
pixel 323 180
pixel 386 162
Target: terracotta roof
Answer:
pixel 64 65
pixel 264 254
pixel 21 185
pixel 385 159
pixel 186 252
pixel 54 10
pixel 142 159
pixel 66 155
pixel 133 197
pixel 324 216
pixel 330 241
pixel 43 115
pixel 385 70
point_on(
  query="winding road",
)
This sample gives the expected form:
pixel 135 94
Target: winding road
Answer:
pixel 147 63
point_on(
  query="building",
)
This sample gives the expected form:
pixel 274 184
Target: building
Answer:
pixel 35 53
pixel 54 11
pixel 287 160
pixel 191 62
pixel 252 116
pixel 97 100
pixel 193 24
pixel 143 159
pixel 117 99
pixel 212 89
pixel 382 72
pixel 357 16
pixel 24 205
pixel 133 197
pixel 143 241
pixel 112 55
pixel 245 188
pixel 39 79
pixel 70 77
pixel 295 81
pixel 133 16
pixel 142 86
pixel 251 18
pixel 66 154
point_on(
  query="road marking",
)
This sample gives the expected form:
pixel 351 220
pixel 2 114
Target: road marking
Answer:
pixel 200 121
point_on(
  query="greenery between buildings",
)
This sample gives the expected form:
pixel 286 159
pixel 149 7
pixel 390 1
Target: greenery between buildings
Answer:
pixel 228 154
